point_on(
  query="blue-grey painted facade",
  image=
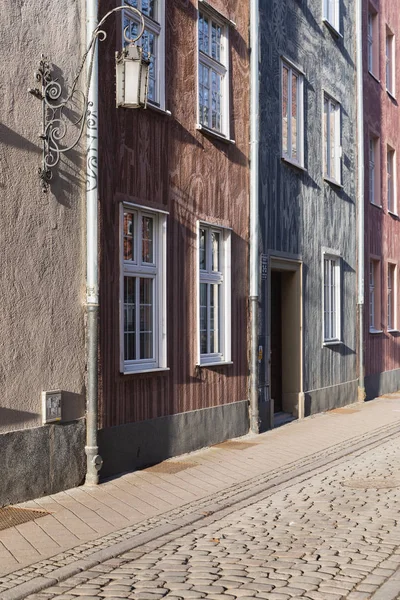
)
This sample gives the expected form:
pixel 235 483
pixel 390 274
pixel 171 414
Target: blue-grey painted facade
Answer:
pixel 301 214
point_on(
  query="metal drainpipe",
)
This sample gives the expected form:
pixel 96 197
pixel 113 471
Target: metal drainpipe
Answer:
pixel 360 198
pixel 254 226
pixel 93 460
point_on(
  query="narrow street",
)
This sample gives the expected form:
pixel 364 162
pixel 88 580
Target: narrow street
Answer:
pixel 323 527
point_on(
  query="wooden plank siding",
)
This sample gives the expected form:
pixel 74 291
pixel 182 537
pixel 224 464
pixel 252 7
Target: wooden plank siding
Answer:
pixel 163 162
pixel 382 229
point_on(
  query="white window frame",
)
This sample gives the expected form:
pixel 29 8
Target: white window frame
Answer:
pixel 288 155
pixel 157 272
pixel 332 167
pixel 374 170
pixel 331 13
pixel 391 193
pixel 157 28
pixel 222 278
pixel 331 293
pixel 392 297
pixel 390 62
pixel 220 67
pixel 374 295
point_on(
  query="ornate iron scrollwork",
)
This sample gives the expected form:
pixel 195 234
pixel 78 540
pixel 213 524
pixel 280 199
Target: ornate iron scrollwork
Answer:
pixel 54 107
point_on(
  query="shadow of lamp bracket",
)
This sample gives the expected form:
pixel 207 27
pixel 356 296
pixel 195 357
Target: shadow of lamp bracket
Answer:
pixel 132 72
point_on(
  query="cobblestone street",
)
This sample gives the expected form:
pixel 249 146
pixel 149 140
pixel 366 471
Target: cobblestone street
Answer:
pixel 332 535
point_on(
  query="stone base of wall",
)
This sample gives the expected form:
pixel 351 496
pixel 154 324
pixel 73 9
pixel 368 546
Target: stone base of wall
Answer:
pixel 331 397
pixel 138 445
pixel 41 461
pixel 382 383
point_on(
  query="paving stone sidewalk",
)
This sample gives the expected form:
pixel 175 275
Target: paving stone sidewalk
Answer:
pixel 331 534
pixel 153 502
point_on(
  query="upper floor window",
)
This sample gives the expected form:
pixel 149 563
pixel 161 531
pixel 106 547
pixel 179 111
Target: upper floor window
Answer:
pixel 214 294
pixel 332 13
pixel 331 298
pixel 373 43
pixel 390 83
pixel 152 42
pixel 391 181
pixel 213 71
pixel 143 296
pixel 332 147
pixel 374 296
pixel 292 114
pixel 374 171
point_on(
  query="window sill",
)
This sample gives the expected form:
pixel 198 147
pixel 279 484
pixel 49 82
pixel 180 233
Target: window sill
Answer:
pixel 391 95
pixel 375 331
pixel 151 370
pixel 294 164
pixel 219 136
pixel 333 182
pixel 393 214
pixel 332 343
pixel 376 205
pixel 221 363
pixel 157 109
pixel 332 28
pixel 374 77
pixel 393 331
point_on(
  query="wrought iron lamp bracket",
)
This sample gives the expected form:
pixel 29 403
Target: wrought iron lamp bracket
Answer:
pixel 50 92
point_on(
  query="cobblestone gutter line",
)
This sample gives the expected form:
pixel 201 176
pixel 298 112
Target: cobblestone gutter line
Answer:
pixel 154 532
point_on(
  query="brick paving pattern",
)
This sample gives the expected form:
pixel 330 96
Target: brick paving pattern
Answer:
pixel 334 535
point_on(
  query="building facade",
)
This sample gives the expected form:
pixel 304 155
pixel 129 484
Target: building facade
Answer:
pixel 381 27
pixel 173 191
pixel 307 207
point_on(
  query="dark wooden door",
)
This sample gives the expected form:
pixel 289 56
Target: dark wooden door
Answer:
pixel 276 340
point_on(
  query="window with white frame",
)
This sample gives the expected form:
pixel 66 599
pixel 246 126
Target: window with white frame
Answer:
pixel 374 171
pixel 391 297
pixel 373 42
pixel 391 180
pixel 292 114
pixel 214 305
pixel 390 62
pixel 143 289
pixel 332 147
pixel 374 296
pixel 332 13
pixel 152 42
pixel 331 298
pixel 213 73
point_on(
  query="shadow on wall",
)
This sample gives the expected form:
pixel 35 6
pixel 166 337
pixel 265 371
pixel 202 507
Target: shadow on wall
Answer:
pixel 10 416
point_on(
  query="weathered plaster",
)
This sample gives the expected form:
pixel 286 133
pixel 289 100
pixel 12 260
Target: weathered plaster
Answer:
pixel 41 239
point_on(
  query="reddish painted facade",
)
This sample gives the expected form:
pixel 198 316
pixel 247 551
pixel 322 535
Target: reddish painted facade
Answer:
pixel 162 161
pixel 381 28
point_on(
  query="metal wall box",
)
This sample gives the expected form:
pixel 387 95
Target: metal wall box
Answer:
pixel 51 406
pixel 132 71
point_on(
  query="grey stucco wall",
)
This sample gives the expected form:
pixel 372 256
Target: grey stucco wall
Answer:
pixel 301 213
pixel 41 235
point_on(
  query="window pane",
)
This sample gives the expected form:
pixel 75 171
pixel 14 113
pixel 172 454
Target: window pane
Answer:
pixel 204 94
pixel 285 92
pixel 216 41
pixel 203 318
pixel 216 101
pixel 214 318
pixel 128 236
pixel 326 137
pixel 147 240
pixel 294 115
pixel 202 254
pixel 204 34
pixel 129 318
pixel 146 318
pixel 215 243
pixel 332 117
